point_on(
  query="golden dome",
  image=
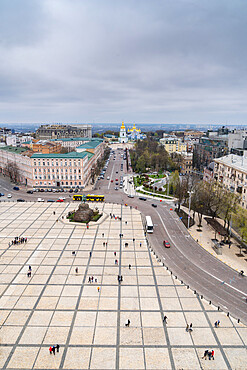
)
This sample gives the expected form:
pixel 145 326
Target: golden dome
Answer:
pixel 122 127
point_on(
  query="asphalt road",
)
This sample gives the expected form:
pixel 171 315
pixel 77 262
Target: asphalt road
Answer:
pixel 186 259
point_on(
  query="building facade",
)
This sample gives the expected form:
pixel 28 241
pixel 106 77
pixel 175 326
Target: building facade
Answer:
pixel 237 142
pixel 173 144
pixel 208 149
pixel 43 146
pixel 48 132
pixel 122 135
pixel 231 172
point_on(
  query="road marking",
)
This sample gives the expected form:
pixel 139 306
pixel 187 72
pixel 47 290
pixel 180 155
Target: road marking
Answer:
pixel 215 277
pixel 111 176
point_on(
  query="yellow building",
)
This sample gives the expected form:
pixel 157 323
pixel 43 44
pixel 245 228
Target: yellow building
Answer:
pixel 173 144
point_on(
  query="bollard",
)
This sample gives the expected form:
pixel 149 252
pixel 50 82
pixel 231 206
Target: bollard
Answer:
pixel 238 321
pixel 201 296
pixel 218 308
pixel 210 302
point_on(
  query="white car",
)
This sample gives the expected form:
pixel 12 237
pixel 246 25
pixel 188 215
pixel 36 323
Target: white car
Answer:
pixel 62 198
pixel 131 196
pixel 108 177
pixel 40 200
pixel 9 196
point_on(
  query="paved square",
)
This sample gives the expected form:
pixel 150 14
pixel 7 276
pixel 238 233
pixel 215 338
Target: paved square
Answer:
pixel 58 305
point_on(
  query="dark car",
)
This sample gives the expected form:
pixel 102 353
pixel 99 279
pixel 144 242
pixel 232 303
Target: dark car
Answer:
pixel 76 190
pixel 1 195
pixel 16 188
pixel 29 192
pixel 142 198
pixel 51 200
pixel 21 200
pixel 154 205
pixel 71 190
pixel 166 244
pixel 42 190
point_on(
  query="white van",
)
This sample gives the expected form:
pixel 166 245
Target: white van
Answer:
pixel 40 200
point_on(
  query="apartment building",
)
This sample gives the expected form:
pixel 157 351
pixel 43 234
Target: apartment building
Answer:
pixel 75 142
pixel 43 146
pixel 173 144
pixel 48 132
pixel 231 172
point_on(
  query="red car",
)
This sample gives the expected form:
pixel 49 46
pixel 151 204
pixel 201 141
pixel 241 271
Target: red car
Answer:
pixel 166 244
pixel 116 179
pixel 60 200
pixel 111 180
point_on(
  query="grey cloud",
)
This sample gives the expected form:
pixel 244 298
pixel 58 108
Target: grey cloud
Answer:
pixel 151 61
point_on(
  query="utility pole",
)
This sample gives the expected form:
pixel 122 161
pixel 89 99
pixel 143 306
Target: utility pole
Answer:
pixel 189 192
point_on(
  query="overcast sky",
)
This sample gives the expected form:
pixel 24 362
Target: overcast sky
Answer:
pixel 168 61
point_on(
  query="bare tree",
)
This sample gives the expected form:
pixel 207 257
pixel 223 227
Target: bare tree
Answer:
pixel 12 170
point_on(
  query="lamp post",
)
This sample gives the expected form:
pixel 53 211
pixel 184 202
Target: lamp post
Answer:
pixel 189 192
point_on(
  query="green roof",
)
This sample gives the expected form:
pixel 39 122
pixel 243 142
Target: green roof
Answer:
pixel 90 155
pixel 78 139
pixel 74 155
pixel 14 149
pixel 90 145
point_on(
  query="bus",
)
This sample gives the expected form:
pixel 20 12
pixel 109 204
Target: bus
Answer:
pixel 149 225
pixel 89 198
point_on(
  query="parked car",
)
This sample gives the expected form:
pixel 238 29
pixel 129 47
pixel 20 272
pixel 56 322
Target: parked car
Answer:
pixel 41 200
pixel 154 205
pixel 111 180
pixel 142 198
pixel 108 177
pixel 16 188
pixel 51 200
pixel 63 198
pixel 30 192
pixel 116 188
pixel 1 195
pixel 71 190
pixel 20 200
pixel 9 196
pixel 166 244
pixel 130 196
pixel 60 200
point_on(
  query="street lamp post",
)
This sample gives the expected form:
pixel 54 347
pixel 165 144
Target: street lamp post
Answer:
pixel 189 192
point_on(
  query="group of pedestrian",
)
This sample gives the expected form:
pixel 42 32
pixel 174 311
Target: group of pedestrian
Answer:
pixel 115 217
pixel 189 327
pixel 18 240
pixel 208 354
pixel 217 323
pixel 92 279
pixel 120 278
pixel 104 244
pixel 53 349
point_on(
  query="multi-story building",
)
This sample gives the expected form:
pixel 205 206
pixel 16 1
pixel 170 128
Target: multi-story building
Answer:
pixel 237 142
pixel 48 132
pixel 231 172
pixel 74 142
pixel 187 160
pixel 209 148
pixel 17 140
pixel 43 146
pixel 73 169
pixel 19 159
pixel 173 144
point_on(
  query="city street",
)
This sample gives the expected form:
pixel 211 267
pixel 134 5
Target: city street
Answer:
pixel 186 259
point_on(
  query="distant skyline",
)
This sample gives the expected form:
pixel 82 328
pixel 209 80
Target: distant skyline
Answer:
pixel 162 61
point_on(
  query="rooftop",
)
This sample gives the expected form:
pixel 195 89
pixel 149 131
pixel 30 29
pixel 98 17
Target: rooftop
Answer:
pixel 74 155
pixel 235 161
pixel 14 149
pixel 90 145
pixel 78 139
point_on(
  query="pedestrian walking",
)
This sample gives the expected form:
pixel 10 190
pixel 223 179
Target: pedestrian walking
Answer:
pixel 126 222
pixel 89 279
pixel 116 262
pixel 129 267
pixel 50 350
pixel 140 244
pixel 76 270
pixel 115 253
pixel 29 274
pixel 103 244
pixel 90 254
pixel 57 347
pixel 218 323
pixel 103 235
pixel 121 278
pixel 187 327
pixel 212 355
pixel 127 323
pixel 191 327
pixel 54 212
pixel 98 288
pixel 54 350
pixel 30 268
pixel 133 240
pixel 205 354
pixel 164 319
pixel 106 244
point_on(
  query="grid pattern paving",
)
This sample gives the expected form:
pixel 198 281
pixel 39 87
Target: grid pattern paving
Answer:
pixel 56 305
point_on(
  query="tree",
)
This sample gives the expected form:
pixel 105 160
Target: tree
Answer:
pixel 241 222
pixel 229 207
pixel 12 170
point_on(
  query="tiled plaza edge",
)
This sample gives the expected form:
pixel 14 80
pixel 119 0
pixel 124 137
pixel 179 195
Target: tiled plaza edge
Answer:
pixel 59 306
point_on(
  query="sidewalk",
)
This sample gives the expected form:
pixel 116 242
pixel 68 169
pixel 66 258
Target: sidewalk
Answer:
pixel 229 255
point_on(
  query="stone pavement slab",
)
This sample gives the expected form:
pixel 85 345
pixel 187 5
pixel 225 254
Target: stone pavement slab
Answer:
pixel 56 305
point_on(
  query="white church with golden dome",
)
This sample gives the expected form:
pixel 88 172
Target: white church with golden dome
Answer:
pixel 122 134
pixel 133 134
